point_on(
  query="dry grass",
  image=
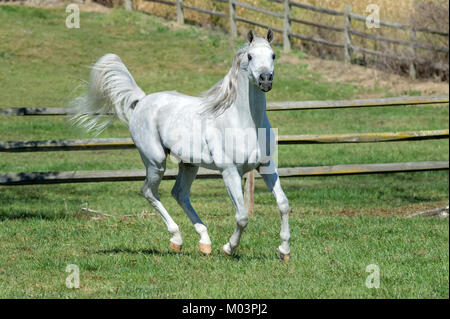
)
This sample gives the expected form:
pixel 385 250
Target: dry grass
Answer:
pixel 402 11
pixel 377 83
pixel 398 11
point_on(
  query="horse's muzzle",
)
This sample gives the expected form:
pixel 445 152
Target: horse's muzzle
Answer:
pixel 265 81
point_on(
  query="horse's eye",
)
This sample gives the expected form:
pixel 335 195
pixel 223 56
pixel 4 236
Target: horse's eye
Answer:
pixel 273 56
pixel 249 57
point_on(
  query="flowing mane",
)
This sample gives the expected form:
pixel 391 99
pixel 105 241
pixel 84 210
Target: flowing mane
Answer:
pixel 220 97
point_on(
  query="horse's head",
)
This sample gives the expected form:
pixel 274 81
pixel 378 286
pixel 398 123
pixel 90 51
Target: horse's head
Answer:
pixel 260 58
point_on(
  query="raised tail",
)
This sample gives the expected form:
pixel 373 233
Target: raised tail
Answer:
pixel 112 92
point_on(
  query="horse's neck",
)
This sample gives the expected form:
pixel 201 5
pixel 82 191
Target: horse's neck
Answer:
pixel 256 103
pixel 250 106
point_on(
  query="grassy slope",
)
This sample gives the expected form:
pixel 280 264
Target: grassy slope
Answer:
pixel 42 229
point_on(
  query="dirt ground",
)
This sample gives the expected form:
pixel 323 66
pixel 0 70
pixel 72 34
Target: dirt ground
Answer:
pixel 370 78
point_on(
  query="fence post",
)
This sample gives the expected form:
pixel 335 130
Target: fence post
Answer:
pixel 249 192
pixel 180 13
pixel 412 40
pixel 128 5
pixel 287 26
pixel 233 29
pixel 347 27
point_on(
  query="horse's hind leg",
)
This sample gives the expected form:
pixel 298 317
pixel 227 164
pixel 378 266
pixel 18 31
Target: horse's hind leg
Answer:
pixel 181 192
pixel 272 181
pixel 150 192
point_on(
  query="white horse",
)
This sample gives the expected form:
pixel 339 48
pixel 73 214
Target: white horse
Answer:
pixel 225 129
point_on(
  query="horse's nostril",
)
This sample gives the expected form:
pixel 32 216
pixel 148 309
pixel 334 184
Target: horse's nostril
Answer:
pixel 265 77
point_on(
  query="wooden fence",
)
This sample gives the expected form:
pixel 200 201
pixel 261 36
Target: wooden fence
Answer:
pixel 347 30
pixel 272 106
pixel 33 178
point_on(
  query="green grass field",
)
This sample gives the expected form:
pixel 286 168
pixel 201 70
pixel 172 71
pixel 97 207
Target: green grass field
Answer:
pixel 339 225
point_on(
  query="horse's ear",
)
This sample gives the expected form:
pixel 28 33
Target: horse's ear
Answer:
pixel 269 35
pixel 250 36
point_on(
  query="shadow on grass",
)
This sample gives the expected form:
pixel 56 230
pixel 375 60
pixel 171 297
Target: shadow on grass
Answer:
pixel 24 215
pixel 235 257
pixel 413 199
pixel 138 252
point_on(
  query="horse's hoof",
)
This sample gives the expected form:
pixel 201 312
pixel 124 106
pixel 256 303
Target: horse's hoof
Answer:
pixel 176 248
pixel 227 251
pixel 226 254
pixel 205 248
pixel 283 257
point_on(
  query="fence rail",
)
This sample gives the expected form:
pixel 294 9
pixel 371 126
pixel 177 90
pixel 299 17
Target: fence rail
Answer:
pixel 317 25
pixel 169 3
pixel 406 43
pixel 260 10
pixel 400 26
pixel 271 106
pixel 346 29
pixel 215 13
pixel 259 24
pixel 127 143
pixel 12 179
pixel 362 137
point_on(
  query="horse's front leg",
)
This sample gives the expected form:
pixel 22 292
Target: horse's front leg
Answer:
pixel 232 180
pixel 272 181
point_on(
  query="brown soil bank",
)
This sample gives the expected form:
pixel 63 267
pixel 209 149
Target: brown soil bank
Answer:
pixel 375 80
